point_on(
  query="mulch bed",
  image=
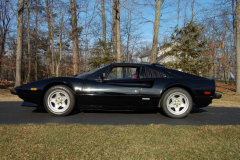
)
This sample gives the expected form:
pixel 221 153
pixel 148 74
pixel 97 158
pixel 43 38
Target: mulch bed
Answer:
pixel 222 87
pixel 6 85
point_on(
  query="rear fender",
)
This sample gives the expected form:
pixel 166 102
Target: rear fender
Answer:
pixel 176 86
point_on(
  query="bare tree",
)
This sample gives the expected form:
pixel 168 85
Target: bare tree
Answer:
pixel 114 28
pixel 156 31
pixel 36 45
pixel 60 32
pixel 104 27
pixel 87 28
pixel 29 40
pixel 74 36
pixel 52 37
pixel 119 42
pixel 192 9
pixel 4 27
pixel 185 14
pixel 19 43
pixel 178 11
pixel 238 49
pixel 128 30
pixel 47 2
pixel 234 22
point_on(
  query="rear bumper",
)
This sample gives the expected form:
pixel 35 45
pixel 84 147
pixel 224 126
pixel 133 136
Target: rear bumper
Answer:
pixel 13 91
pixel 203 101
pixel 217 96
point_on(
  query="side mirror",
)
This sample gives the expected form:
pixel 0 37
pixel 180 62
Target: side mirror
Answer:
pixel 102 77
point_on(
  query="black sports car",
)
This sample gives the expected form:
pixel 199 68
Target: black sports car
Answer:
pixel 122 86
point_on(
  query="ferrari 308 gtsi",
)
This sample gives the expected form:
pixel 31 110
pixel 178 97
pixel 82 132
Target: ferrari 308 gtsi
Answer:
pixel 122 86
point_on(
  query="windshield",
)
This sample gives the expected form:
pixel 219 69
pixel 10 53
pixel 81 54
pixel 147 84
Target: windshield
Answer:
pixel 85 75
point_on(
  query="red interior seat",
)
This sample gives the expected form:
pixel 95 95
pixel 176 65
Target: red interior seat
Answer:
pixel 134 76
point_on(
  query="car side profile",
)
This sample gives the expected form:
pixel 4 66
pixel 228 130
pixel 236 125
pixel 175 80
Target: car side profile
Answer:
pixel 122 86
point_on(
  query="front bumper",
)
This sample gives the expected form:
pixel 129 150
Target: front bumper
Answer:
pixel 13 91
pixel 217 96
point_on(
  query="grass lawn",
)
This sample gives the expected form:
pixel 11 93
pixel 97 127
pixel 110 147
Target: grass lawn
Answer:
pixel 54 141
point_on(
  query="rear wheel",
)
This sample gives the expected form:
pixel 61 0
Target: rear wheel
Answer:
pixel 59 100
pixel 176 103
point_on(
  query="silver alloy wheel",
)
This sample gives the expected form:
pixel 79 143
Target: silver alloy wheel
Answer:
pixel 58 101
pixel 177 103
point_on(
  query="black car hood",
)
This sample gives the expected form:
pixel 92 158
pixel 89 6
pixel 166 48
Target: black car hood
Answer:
pixel 40 84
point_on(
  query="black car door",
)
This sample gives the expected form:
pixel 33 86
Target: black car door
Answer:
pixel 119 90
pixel 153 82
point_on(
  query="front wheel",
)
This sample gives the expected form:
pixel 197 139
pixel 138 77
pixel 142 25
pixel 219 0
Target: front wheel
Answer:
pixel 59 100
pixel 176 103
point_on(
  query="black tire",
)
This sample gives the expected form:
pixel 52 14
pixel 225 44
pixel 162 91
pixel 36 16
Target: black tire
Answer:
pixel 176 103
pixel 59 100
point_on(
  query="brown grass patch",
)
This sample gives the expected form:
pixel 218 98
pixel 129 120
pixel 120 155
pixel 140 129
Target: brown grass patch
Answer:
pixel 5 95
pixel 229 99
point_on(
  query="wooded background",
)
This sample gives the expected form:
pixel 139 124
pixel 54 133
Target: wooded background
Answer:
pixel 51 38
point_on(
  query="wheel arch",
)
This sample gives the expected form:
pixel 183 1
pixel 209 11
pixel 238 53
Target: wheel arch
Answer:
pixel 54 84
pixel 176 86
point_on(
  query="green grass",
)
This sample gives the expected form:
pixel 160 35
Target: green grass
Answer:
pixel 54 141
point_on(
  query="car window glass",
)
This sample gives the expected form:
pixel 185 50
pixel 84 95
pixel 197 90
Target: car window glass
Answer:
pixel 123 73
pixel 98 76
pixel 152 73
pixel 82 76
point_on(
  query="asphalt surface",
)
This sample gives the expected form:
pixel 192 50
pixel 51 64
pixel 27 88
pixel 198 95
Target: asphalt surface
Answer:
pixel 14 113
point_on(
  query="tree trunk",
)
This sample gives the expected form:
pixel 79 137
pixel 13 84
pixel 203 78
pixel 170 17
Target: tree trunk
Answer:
pixel 156 31
pixel 192 10
pixel 86 49
pixel 238 49
pixel 74 37
pixel 185 14
pixel 178 11
pixel 119 42
pixel 19 43
pixel 52 40
pixel 29 41
pixel 128 42
pixel 2 52
pixel 234 24
pixel 117 30
pixel 36 44
pixel 129 27
pixel 60 46
pixel 49 35
pixel 104 28
pixel 114 28
pixel 4 20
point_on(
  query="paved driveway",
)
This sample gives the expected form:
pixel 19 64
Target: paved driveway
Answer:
pixel 14 113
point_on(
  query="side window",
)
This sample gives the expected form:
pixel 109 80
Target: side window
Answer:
pixel 98 76
pixel 123 73
pixel 153 73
